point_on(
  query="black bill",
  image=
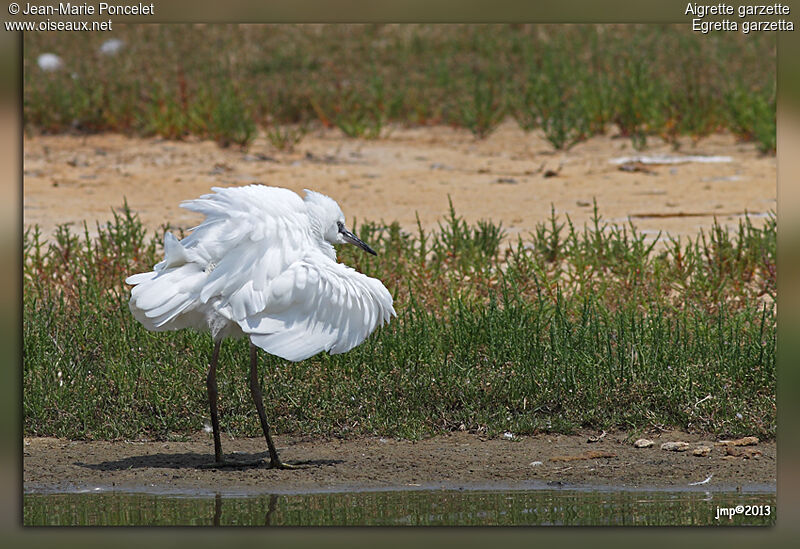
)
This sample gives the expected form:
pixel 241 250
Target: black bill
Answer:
pixel 353 239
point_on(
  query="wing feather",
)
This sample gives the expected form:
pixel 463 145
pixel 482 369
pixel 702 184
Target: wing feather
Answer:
pixel 318 305
pixel 249 236
pixel 254 263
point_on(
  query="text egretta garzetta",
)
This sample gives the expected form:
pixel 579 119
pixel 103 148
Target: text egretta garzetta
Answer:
pixel 262 265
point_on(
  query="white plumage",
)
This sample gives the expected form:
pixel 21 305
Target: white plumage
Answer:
pixel 262 265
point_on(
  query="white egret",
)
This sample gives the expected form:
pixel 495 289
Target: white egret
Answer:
pixel 262 265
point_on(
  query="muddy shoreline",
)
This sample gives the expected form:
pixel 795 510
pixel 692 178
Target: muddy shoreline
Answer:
pixel 454 461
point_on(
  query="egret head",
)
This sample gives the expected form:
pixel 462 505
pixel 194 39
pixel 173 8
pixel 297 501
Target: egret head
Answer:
pixel 327 213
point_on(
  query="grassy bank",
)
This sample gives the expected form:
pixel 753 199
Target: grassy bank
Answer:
pixel 568 327
pixel 569 81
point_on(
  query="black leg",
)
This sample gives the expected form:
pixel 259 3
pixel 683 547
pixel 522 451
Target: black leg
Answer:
pixel 217 508
pixel 255 391
pixel 273 504
pixel 211 385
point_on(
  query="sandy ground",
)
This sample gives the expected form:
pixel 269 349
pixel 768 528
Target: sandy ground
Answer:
pixel 511 177
pixel 457 460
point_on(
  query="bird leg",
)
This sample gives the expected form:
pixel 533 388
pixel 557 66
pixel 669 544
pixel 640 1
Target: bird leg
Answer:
pixel 211 385
pixel 255 390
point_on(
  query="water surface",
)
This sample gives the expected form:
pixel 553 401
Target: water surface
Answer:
pixel 402 507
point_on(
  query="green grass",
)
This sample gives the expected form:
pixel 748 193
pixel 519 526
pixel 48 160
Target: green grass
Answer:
pixel 226 82
pixel 565 328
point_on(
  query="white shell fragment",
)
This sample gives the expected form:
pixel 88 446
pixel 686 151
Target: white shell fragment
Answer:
pixel 669 159
pixel 701 481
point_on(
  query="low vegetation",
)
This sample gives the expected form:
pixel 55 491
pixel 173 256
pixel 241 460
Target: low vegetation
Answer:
pixel 568 327
pixel 226 82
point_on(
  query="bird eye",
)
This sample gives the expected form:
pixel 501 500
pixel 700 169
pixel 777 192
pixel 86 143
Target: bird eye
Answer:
pixel 340 225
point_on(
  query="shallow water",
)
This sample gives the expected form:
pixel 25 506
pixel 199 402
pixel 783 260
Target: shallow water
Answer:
pixel 401 507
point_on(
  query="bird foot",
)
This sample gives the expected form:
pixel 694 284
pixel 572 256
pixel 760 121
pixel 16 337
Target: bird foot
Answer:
pixel 281 465
pixel 230 464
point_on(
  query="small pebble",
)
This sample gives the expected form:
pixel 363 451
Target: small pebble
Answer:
pixel 643 443
pixel 745 441
pixel 596 438
pixel 675 446
pixel 701 451
pixel 746 453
